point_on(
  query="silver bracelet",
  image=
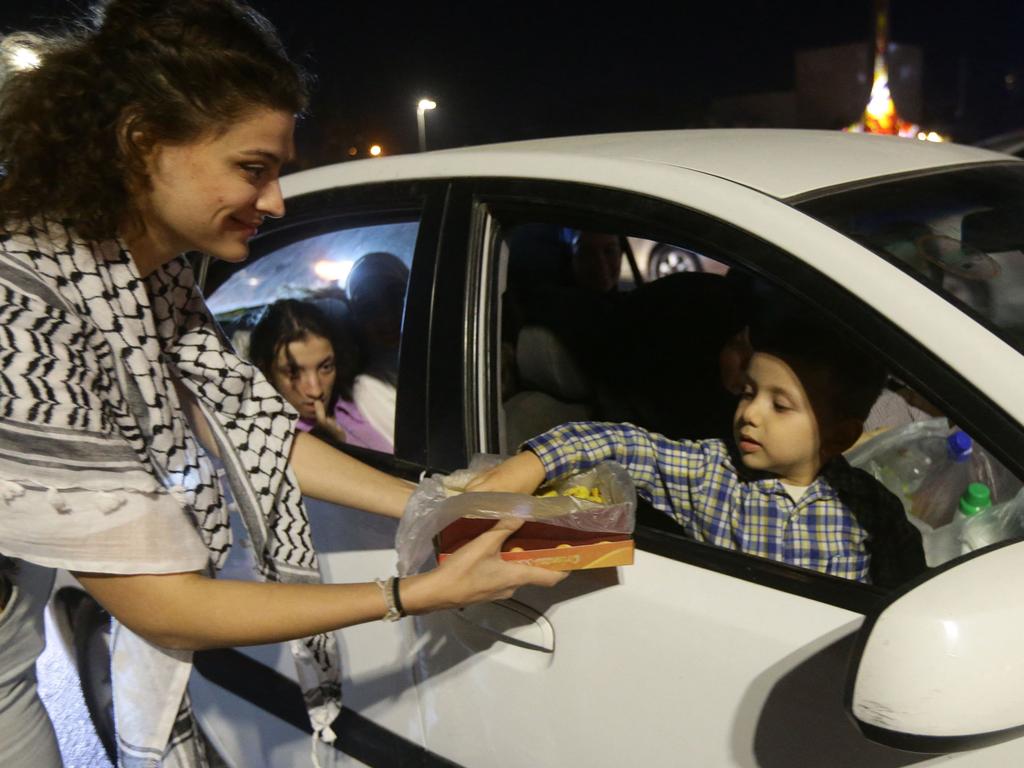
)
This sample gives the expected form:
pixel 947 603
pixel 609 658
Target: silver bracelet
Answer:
pixel 388 588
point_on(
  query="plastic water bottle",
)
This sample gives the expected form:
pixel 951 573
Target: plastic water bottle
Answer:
pixel 962 533
pixel 904 469
pixel 975 500
pixel 936 499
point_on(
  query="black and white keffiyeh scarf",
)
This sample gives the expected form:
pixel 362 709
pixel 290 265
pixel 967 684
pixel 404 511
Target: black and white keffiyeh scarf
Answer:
pixel 103 352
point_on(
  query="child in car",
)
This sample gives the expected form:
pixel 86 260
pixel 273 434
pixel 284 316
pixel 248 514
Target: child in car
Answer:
pixel 782 489
pixel 313 361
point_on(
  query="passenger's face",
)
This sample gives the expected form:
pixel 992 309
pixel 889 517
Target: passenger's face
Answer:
pixel 212 194
pixel 597 262
pixel 304 373
pixel 775 426
pixel 380 309
pixel 733 359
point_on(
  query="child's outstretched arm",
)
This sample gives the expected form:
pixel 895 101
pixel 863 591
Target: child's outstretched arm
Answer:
pixel 667 473
pixel 523 473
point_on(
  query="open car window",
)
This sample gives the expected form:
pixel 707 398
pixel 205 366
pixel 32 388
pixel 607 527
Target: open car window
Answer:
pixel 578 346
pixel 356 278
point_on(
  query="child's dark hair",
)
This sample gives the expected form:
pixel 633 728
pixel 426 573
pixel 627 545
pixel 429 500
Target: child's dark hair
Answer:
pixel 291 320
pixel 170 71
pixel 855 375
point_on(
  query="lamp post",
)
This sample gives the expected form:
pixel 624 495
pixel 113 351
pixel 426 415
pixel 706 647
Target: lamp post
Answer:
pixel 421 121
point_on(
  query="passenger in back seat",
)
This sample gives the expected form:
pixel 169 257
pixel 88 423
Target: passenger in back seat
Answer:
pixel 563 280
pixel 313 363
pixel 376 289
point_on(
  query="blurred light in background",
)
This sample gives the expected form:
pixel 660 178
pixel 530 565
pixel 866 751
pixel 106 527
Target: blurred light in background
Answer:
pixel 332 271
pixel 23 58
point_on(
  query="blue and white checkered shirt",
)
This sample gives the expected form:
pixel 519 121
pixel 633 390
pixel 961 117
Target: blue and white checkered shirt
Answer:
pixel 698 485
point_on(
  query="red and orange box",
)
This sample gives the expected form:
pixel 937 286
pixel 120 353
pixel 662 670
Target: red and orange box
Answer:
pixel 545 545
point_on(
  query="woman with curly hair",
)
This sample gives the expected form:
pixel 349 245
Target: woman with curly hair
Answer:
pixel 160 127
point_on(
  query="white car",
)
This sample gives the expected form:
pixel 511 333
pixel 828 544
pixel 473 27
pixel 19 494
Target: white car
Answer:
pixel 693 655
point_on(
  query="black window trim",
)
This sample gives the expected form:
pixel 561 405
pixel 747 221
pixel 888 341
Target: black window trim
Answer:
pixel 849 186
pixel 656 219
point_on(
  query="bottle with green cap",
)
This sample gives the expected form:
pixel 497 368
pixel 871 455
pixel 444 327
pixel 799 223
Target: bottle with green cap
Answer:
pixel 976 499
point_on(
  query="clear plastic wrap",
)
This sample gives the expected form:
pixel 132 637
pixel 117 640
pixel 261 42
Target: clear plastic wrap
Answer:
pixel 439 501
pixel 912 461
pixel 903 458
pixel 1000 522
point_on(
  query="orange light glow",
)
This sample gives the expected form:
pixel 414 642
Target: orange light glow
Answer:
pixel 880 114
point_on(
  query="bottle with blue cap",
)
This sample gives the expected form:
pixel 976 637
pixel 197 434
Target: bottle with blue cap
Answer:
pixel 936 499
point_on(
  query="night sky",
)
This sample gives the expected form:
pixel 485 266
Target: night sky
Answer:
pixel 512 70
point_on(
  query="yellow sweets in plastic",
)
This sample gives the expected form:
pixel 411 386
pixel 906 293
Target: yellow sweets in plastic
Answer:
pixel 579 492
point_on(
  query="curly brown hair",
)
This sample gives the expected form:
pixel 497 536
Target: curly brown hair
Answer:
pixel 171 71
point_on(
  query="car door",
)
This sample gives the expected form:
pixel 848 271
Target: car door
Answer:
pixel 693 655
pixel 246 699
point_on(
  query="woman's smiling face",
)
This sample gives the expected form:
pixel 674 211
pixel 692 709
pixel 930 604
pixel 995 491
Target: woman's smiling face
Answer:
pixel 212 194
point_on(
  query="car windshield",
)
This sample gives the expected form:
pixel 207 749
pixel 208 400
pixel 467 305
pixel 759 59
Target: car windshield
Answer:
pixel 960 232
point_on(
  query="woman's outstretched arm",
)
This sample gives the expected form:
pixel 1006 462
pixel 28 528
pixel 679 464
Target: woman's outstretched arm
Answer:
pixel 326 473
pixel 191 611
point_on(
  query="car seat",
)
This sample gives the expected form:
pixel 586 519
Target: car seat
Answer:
pixel 553 389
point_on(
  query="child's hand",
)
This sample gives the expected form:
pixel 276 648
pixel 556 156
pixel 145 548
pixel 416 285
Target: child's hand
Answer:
pixel 327 423
pixel 523 473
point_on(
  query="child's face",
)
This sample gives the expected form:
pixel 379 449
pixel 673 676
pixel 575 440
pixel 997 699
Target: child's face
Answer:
pixel 304 374
pixel 775 426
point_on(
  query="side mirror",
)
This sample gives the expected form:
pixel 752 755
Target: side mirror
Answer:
pixel 940 667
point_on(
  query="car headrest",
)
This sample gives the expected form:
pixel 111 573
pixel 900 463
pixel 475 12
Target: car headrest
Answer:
pixel 335 309
pixel 996 230
pixel 545 364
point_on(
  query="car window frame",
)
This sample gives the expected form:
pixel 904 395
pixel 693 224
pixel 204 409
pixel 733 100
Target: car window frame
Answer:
pixel 578 204
pixel 342 207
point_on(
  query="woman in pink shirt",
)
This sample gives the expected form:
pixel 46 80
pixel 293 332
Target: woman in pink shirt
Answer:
pixel 313 361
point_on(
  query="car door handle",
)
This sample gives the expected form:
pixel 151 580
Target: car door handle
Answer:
pixel 512 622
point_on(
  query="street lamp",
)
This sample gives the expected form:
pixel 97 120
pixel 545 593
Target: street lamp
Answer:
pixel 22 57
pixel 421 122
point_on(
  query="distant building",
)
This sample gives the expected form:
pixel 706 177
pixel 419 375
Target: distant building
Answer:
pixel 831 88
pixel 833 85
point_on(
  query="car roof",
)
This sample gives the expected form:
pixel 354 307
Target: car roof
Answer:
pixel 782 163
